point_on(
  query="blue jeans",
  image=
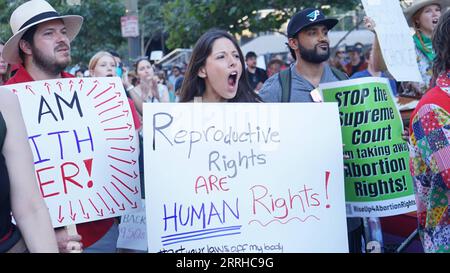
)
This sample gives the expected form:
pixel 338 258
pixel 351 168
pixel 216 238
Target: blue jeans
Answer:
pixel 107 244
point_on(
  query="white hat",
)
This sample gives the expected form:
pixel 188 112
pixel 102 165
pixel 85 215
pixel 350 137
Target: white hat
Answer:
pixel 416 5
pixel 30 14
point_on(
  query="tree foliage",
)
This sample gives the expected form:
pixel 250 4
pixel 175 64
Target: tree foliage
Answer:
pixel 100 31
pixel 185 21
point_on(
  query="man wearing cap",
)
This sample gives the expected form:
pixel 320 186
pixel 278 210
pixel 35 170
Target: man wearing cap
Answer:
pixel 309 45
pixel 256 76
pixel 357 61
pixel 41 44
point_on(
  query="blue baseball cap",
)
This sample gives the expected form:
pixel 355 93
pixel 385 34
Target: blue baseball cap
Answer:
pixel 306 18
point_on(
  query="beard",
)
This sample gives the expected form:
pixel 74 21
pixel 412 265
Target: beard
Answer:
pixel 313 55
pixel 49 64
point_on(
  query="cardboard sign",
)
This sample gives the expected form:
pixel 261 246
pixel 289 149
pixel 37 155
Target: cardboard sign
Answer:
pixel 84 145
pixel 378 181
pixel 133 230
pixel 232 177
pixel 394 35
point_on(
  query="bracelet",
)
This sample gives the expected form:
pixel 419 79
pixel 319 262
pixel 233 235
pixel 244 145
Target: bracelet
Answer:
pixel 129 88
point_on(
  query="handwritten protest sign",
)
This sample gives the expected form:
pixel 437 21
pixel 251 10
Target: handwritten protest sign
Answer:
pixel 395 39
pixel 377 179
pixel 133 230
pixel 84 145
pixel 244 178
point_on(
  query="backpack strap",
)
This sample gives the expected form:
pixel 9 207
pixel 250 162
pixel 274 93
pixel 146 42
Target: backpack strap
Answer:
pixel 284 77
pixel 339 74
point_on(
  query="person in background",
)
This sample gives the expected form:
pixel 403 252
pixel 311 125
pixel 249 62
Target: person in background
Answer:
pixel 274 66
pixel 4 67
pixel 372 71
pixel 172 81
pixel 148 89
pixel 215 71
pixel 423 17
pixel 357 62
pixel 103 64
pixel 256 76
pixel 339 61
pixel 79 73
pixel 19 192
pixel 429 156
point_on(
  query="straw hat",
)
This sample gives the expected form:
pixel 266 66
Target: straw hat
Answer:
pixel 30 14
pixel 416 5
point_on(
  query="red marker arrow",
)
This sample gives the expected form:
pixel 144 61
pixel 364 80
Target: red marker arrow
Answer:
pixel 60 86
pixel 72 215
pixel 115 201
pixel 81 84
pixel 109 109
pixel 125 185
pixel 118 94
pixel 133 162
pixel 29 89
pixel 111 210
pixel 131 149
pixel 71 86
pixel 104 91
pixel 93 88
pixel 120 171
pixel 130 138
pixel 60 218
pixel 126 112
pixel 113 118
pixel 120 102
pixel 129 126
pixel 99 213
pixel 124 196
pixel 106 101
pixel 85 215
pixel 122 208
pixel 48 87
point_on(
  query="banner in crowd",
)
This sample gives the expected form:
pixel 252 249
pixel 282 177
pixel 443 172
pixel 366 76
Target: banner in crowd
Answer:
pixel 133 230
pixel 397 45
pixel 230 177
pixel 85 147
pixel 377 176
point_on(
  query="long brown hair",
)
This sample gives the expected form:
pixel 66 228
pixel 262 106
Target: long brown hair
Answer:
pixel 441 45
pixel 415 19
pixel 194 86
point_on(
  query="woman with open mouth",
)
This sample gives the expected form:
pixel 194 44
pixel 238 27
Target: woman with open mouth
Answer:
pixel 423 16
pixel 215 71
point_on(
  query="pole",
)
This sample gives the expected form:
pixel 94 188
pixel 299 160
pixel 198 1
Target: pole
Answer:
pixel 134 44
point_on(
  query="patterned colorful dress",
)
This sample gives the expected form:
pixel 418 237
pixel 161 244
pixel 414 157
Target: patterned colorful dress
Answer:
pixel 430 165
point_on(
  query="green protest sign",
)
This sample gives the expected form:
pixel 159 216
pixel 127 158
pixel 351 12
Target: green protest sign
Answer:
pixel 377 176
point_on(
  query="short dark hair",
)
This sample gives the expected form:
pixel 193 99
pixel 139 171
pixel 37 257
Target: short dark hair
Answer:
pixel 28 37
pixel 249 55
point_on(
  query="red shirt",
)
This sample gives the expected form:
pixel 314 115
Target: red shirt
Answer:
pixel 90 232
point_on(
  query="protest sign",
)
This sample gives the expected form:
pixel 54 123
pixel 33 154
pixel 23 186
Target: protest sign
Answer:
pixel 377 179
pixel 230 177
pixel 395 39
pixel 84 146
pixel 133 230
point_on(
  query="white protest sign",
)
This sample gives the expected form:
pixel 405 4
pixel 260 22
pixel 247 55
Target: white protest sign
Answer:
pixel 85 147
pixel 133 230
pixel 233 177
pixel 394 35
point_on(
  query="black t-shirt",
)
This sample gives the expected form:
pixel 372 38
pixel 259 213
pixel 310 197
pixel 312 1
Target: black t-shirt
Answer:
pixel 260 76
